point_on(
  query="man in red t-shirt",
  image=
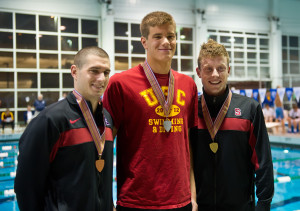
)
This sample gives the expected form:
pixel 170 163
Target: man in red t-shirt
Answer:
pixel 152 108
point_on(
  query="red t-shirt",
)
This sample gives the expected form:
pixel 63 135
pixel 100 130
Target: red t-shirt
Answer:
pixel 153 166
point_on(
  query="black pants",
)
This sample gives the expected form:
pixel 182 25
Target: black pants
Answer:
pixel 8 123
pixel 186 208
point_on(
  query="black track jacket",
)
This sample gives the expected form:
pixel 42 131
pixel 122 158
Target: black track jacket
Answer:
pixel 225 180
pixel 56 165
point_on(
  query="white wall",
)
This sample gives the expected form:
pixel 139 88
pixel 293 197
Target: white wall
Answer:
pixel 136 9
pixel 70 7
pixel 288 12
pixel 242 15
pixel 233 14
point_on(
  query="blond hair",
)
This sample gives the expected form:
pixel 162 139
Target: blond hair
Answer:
pixel 212 49
pixel 153 19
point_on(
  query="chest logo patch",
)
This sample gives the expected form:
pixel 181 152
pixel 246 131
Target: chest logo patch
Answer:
pixel 237 112
pixel 73 121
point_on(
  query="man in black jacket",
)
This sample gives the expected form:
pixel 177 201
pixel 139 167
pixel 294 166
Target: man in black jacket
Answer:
pixel 60 147
pixel 231 150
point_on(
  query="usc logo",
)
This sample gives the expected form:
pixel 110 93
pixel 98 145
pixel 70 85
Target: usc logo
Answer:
pixel 151 99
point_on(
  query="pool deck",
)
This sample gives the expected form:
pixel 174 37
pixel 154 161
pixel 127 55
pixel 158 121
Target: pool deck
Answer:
pixel 284 140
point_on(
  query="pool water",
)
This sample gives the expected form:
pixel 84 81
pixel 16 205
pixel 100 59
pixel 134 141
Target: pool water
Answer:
pixel 286 163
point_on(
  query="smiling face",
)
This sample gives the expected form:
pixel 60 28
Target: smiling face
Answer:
pixel 160 43
pixel 91 79
pixel 214 72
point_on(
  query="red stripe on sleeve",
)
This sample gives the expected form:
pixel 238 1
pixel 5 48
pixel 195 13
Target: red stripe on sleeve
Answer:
pixel 252 143
pixel 108 134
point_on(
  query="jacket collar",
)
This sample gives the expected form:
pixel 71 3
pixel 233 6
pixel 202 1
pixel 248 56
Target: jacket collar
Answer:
pixel 214 103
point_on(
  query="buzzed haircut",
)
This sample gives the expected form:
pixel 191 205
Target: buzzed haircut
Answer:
pixel 212 49
pixel 79 58
pixel 153 19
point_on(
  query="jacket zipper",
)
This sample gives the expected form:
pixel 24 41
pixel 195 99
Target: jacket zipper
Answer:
pixel 215 183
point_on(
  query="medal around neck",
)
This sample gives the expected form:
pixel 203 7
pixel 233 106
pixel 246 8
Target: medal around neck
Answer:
pixel 213 147
pixel 167 125
pixel 99 165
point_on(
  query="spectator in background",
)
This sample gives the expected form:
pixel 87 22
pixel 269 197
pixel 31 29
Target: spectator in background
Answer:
pixel 268 100
pixel 269 113
pixel 279 112
pixel 294 119
pixel 28 115
pixel 0 107
pixel 7 118
pixel 39 104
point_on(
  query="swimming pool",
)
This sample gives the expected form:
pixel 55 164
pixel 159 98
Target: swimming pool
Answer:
pixel 286 163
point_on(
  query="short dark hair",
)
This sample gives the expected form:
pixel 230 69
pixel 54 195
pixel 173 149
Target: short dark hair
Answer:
pixel 79 57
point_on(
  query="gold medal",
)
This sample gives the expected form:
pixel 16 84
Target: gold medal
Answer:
pixel 213 127
pixel 99 164
pixel 213 147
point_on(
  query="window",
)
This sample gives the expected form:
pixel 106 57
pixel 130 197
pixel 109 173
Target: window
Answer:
pixel 7 98
pixel 27 80
pixel 67 80
pixel 26 41
pixel 26 98
pixel 5 20
pixel 66 61
pixel 48 42
pixel 6 40
pixel 36 54
pixel 48 23
pixel 25 21
pixel 48 61
pixel 129 51
pixel 69 25
pixel 291 58
pixel 26 60
pixel 49 80
pixel 89 42
pixel 248 52
pixel 6 59
pixel 89 27
pixel 6 80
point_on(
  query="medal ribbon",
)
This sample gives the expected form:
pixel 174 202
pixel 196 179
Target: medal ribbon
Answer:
pixel 98 139
pixel 166 104
pixel 213 127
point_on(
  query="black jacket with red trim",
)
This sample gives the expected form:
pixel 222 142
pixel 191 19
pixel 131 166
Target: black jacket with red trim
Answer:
pixel 56 164
pixel 225 180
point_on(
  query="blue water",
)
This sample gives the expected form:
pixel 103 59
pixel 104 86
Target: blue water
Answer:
pixel 286 163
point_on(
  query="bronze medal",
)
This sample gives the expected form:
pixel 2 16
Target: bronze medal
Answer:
pixel 99 165
pixel 213 147
pixel 98 139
